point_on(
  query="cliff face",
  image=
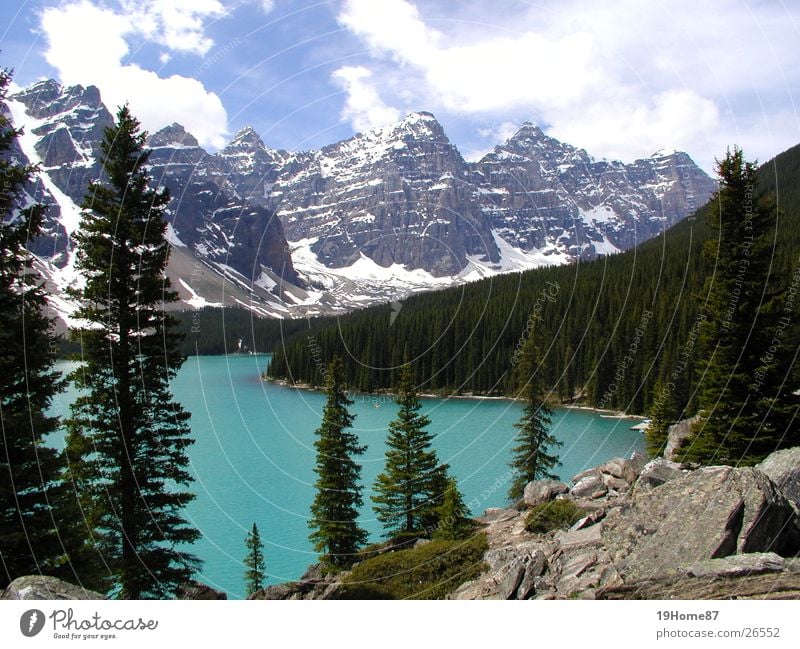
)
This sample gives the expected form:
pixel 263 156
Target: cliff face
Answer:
pixel 373 218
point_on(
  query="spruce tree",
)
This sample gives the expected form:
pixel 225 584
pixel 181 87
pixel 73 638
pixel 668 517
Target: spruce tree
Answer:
pixel 747 403
pixel 127 437
pixel 33 525
pixel 454 522
pixel 663 414
pixel 532 456
pixel 336 534
pixel 254 562
pixel 410 488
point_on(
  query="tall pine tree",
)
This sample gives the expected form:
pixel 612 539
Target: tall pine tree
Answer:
pixel 747 403
pixel 127 437
pixel 410 488
pixel 533 458
pixel 663 414
pixel 254 563
pixel 336 534
pixel 34 527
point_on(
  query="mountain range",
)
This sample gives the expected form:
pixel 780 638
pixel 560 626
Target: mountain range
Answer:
pixel 383 214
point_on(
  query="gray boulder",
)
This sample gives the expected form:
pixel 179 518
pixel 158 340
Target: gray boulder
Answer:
pixel 588 486
pixel 585 474
pixel 738 565
pixel 676 434
pixel 198 591
pixel 543 491
pixel 783 468
pixel 41 587
pixel 657 472
pixel 710 513
pixel 619 468
pixel 512 580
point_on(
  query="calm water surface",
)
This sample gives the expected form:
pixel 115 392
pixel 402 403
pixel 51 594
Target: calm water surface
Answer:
pixel 253 459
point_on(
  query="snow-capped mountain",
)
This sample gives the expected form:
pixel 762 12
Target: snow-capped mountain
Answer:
pixel 383 214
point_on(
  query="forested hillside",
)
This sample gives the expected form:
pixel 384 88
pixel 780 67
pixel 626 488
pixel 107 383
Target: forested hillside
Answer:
pixel 610 329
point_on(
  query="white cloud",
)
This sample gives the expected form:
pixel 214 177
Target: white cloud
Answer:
pixel 495 73
pixel 680 79
pixel 626 130
pixel 267 5
pixel 176 24
pixel 392 26
pixel 363 106
pixel 87 44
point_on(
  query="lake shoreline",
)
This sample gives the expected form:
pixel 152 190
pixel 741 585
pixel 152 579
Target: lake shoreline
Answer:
pixel 380 396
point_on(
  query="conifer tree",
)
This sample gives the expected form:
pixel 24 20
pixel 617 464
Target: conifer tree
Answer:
pixel 254 561
pixel 336 534
pixel 747 403
pixel 127 437
pixel 532 456
pixel 410 488
pixel 663 414
pixel 33 526
pixel 453 515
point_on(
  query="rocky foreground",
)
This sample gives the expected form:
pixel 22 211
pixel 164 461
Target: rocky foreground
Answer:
pixel 651 530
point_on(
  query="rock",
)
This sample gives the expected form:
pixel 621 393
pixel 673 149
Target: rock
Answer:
pixel 576 574
pixel 638 461
pixel 314 572
pixel 512 580
pixel 584 474
pixel 772 585
pixel 197 591
pixel 621 469
pixel 619 485
pixel 738 565
pixel 590 519
pixel 710 513
pixel 676 434
pixel 420 542
pixel 586 486
pixel 535 565
pixel 497 515
pixel 42 587
pixel 657 472
pixel 276 592
pixel 542 491
pixel 572 539
pixel 783 468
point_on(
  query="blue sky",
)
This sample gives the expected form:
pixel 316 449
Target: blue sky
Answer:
pixel 620 78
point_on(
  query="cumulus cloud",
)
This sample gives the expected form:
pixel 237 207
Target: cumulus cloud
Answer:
pixel 176 24
pixel 87 44
pixel 363 107
pixel 579 68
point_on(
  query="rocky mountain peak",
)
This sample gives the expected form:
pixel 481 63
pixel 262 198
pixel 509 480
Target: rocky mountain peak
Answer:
pixel 530 139
pixel 246 138
pixel 172 135
pixel 420 122
pixel 46 99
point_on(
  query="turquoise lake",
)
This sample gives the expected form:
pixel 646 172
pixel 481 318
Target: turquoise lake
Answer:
pixel 253 458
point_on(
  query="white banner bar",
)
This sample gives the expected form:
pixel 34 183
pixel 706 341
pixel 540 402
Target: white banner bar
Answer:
pixel 388 625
